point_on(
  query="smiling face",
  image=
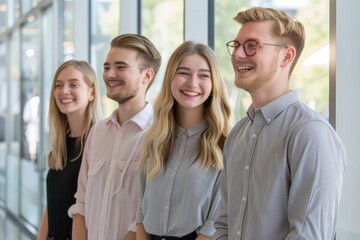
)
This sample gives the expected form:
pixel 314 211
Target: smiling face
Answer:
pixel 255 72
pixel 122 75
pixel 71 92
pixel 192 84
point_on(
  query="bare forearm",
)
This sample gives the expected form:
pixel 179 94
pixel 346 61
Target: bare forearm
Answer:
pixel 79 231
pixel 141 234
pixel 43 229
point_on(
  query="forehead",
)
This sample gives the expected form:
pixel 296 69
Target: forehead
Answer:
pixel 194 61
pixel 70 73
pixel 119 54
pixel 256 30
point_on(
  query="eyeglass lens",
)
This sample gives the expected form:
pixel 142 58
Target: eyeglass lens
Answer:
pixel 250 47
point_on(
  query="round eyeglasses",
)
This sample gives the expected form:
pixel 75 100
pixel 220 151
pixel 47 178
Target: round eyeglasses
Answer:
pixel 250 46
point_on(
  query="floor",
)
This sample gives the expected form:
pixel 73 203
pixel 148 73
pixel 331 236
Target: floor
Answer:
pixel 10 229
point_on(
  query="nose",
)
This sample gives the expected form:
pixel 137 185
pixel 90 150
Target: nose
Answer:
pixel 65 89
pixel 110 72
pixel 192 80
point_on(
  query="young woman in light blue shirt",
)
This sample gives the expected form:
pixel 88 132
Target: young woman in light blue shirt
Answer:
pixel 182 151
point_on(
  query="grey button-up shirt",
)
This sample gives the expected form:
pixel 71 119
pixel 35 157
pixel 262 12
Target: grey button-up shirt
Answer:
pixel 284 166
pixel 182 198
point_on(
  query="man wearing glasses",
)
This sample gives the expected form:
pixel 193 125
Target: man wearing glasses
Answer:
pixel 283 162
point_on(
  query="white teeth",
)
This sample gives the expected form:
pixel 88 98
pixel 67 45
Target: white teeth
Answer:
pixel 67 100
pixel 190 93
pixel 244 68
pixel 114 84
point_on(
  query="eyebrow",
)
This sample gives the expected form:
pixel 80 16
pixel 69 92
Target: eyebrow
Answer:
pixel 185 68
pixel 116 63
pixel 70 80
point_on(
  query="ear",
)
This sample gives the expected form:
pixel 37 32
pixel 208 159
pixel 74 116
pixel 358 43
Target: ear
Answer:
pixel 91 97
pixel 149 75
pixel 288 56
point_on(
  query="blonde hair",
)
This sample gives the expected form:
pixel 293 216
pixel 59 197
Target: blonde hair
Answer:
pixel 161 134
pixel 146 50
pixel 58 123
pixel 287 29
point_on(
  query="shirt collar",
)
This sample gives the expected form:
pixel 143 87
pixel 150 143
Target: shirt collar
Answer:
pixel 274 108
pixel 142 118
pixel 200 127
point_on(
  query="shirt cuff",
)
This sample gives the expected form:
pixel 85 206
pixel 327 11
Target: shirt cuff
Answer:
pixel 208 229
pixel 132 227
pixel 77 208
pixel 139 217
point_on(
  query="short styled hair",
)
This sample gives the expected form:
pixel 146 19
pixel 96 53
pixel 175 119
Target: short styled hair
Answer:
pixel 288 30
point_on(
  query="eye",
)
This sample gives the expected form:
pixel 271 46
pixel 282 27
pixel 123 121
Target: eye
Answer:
pixel 58 85
pixel 204 75
pixel 120 66
pixel 251 44
pixel 182 72
pixel 106 68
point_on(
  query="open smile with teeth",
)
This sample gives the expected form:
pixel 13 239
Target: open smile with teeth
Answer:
pixel 114 84
pixel 244 68
pixel 66 100
pixel 190 93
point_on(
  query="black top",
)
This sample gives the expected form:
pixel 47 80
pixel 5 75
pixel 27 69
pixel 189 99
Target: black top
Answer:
pixel 61 186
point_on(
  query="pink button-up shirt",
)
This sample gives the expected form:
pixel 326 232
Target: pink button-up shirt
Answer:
pixel 107 191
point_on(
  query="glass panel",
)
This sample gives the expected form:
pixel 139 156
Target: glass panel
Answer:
pixel 26 5
pixel 166 37
pixel 68 36
pixel 3 110
pixel 104 27
pixel 13 126
pixel 30 89
pixel 3 15
pixel 311 74
pixel 30 100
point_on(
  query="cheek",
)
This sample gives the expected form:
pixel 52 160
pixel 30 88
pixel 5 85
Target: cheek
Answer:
pixel 207 88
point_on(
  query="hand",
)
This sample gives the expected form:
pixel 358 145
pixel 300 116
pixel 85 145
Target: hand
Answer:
pixel 202 237
pixel 130 236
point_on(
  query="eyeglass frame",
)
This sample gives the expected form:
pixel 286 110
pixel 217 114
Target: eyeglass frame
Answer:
pixel 243 44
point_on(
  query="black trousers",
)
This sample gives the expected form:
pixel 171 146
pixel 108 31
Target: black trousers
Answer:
pixel 191 236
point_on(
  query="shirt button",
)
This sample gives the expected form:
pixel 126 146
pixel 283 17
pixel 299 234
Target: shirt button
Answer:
pixel 246 167
pixel 254 135
pixel 166 207
pixel 238 233
pixel 243 199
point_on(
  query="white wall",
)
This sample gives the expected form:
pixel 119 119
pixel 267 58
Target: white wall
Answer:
pixel 348 112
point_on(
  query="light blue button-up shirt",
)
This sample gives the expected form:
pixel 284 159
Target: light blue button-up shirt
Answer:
pixel 284 167
pixel 182 198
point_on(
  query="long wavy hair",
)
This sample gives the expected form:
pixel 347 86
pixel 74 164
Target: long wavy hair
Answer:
pixel 58 122
pixel 160 137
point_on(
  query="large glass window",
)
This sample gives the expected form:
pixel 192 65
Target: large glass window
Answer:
pixel 105 26
pixel 13 126
pixel 30 89
pixel 3 115
pixel 3 15
pixel 162 21
pixel 68 36
pixel 311 75
pixel 31 108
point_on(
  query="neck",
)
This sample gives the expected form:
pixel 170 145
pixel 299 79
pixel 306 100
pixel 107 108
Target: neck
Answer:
pixel 128 109
pixel 267 94
pixel 76 124
pixel 187 118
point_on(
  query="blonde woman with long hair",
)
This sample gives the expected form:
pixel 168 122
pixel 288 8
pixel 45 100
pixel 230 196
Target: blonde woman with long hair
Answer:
pixel 182 151
pixel 74 108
